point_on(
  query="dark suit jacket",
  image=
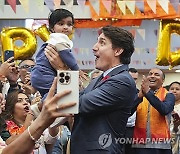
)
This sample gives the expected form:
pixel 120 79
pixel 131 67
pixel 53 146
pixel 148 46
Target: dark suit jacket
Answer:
pixel 103 112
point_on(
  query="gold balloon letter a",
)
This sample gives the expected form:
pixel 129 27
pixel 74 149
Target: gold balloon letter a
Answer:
pixel 164 56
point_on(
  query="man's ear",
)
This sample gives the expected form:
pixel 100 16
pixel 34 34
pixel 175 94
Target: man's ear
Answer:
pixel 118 51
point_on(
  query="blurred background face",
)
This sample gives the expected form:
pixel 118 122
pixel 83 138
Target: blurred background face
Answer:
pixel 25 66
pixel 134 76
pixel 21 108
pixel 175 89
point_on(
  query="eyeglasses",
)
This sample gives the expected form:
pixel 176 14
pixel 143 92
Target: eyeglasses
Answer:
pixel 27 67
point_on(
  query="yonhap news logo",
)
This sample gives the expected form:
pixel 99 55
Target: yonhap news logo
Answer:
pixel 105 140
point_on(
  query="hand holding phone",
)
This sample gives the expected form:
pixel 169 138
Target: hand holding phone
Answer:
pixel 69 80
pixel 8 54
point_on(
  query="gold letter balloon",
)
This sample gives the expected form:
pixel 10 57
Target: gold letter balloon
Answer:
pixel 10 35
pixel 43 33
pixel 166 57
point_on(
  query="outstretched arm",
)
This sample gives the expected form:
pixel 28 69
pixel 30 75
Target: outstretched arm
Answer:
pixel 49 113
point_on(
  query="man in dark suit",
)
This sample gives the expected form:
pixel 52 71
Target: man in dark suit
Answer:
pixel 105 104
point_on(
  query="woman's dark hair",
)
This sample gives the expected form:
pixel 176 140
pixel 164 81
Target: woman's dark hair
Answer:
pixel 11 100
pixel 176 82
pixel 57 15
pixel 120 38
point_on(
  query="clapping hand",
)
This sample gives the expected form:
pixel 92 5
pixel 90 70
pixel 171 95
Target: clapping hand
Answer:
pixel 145 85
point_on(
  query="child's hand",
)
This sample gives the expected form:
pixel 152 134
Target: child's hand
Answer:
pixel 54 58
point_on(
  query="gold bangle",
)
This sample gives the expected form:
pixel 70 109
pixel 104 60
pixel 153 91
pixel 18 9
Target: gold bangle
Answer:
pixel 37 142
pixel 32 138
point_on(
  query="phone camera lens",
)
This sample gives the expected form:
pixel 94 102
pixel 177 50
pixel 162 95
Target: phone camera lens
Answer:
pixel 61 80
pixel 67 77
pixel 61 74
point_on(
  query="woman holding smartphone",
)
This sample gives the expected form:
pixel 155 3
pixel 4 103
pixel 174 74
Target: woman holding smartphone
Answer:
pixel 175 134
pixel 50 111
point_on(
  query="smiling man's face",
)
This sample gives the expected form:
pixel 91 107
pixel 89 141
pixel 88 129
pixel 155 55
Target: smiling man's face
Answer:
pixel 155 78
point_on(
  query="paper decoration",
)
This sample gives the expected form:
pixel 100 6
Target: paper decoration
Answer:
pixel 152 5
pixel 25 4
pixel 76 51
pixel 12 3
pixel 81 3
pixel 140 5
pixel 122 6
pixel 2 5
pixel 40 4
pixel 175 4
pixel 131 6
pixel 133 32
pixel 107 4
pixel 69 3
pixel 164 4
pixel 141 33
pixel 95 5
pixel 78 32
pixel 57 4
pixel 155 32
pixel 49 4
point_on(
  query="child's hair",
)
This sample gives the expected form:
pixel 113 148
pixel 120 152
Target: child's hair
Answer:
pixel 57 15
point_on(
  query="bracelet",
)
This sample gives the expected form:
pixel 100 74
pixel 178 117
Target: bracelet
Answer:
pixel 32 138
pixel 37 142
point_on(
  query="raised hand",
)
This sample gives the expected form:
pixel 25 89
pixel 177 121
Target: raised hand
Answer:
pixel 145 85
pixel 54 58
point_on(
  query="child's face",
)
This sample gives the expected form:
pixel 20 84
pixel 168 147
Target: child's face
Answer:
pixel 64 26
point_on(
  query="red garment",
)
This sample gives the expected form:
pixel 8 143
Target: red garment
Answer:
pixel 13 128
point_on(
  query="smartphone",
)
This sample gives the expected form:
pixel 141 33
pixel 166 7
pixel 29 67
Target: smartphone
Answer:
pixel 175 116
pixel 69 80
pixel 8 54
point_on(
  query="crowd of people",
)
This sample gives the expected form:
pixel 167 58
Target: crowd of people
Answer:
pixel 114 116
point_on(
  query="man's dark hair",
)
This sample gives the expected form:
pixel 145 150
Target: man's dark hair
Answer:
pixel 57 15
pixel 163 74
pixel 133 70
pixel 120 38
pixel 25 60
